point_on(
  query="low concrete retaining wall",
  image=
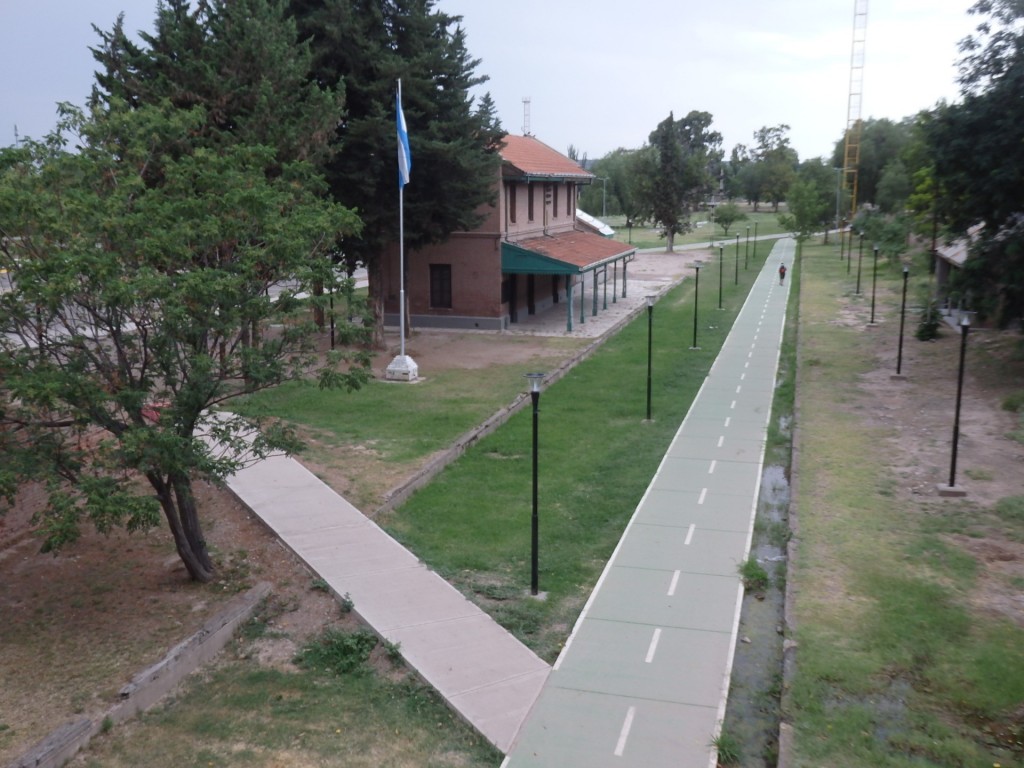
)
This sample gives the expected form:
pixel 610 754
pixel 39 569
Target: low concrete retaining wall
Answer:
pixel 434 467
pixel 149 686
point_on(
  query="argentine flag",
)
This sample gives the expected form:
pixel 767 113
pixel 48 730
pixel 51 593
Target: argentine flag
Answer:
pixel 404 155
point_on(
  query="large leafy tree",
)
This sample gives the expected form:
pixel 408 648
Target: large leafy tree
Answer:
pixel 882 142
pixel 620 168
pixel 806 209
pixel 665 189
pixel 141 268
pixel 776 163
pixel 978 150
pixel 677 177
pixel 365 46
pixel 830 197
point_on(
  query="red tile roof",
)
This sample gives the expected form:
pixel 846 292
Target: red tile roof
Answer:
pixel 581 249
pixel 526 156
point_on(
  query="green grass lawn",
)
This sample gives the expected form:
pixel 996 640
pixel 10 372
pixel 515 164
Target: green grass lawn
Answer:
pixel 894 667
pixel 243 715
pixel 472 523
pixel 703 232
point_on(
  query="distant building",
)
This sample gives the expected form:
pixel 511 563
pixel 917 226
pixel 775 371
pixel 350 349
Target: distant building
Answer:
pixel 527 255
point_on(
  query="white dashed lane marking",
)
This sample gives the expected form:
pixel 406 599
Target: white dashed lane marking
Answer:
pixel 689 534
pixel 711 469
pixel 620 747
pixel 703 493
pixel 653 647
pixel 673 584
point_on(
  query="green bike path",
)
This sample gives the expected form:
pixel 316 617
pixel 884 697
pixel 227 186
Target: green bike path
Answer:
pixel 644 676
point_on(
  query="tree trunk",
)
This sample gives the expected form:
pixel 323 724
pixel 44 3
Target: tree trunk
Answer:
pixel 375 291
pixel 179 506
pixel 670 242
pixel 318 310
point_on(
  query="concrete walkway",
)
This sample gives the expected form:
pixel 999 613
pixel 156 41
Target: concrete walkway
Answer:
pixel 482 671
pixel 671 589
pixel 644 677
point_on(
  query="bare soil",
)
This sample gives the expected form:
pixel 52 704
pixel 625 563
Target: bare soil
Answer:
pixel 918 413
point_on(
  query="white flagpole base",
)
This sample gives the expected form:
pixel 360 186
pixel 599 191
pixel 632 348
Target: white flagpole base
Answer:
pixel 402 368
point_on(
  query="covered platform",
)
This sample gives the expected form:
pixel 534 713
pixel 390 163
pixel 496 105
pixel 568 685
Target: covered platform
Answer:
pixel 568 258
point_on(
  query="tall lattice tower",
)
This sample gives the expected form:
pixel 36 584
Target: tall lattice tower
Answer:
pixel 851 160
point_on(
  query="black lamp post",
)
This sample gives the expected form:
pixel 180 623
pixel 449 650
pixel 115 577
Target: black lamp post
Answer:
pixel 755 241
pixel 534 379
pixel 650 336
pixel 737 282
pixel 903 317
pixel 696 294
pixel 874 280
pixel 746 251
pixel 721 267
pixel 860 258
pixel 331 310
pixel 965 325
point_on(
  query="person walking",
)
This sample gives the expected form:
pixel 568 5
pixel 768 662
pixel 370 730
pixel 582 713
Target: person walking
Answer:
pixel 782 274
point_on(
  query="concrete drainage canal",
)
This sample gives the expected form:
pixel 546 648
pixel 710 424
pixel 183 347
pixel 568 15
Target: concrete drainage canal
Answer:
pixel 750 734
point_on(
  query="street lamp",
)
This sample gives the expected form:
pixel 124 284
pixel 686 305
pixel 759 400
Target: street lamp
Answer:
pixel 604 196
pixel 860 257
pixel 737 258
pixel 874 279
pixel 839 229
pixel 721 267
pixel 535 380
pixel 965 324
pixel 696 294
pixel 746 250
pixel 650 327
pixel 903 316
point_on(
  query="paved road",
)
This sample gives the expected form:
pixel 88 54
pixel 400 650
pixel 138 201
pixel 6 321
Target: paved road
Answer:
pixel 644 676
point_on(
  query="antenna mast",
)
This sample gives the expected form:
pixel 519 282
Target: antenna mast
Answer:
pixel 854 124
pixel 526 115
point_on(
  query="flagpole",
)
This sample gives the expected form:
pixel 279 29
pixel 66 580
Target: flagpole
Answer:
pixel 401 256
pixel 402 368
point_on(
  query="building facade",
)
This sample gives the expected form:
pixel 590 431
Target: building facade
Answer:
pixel 527 255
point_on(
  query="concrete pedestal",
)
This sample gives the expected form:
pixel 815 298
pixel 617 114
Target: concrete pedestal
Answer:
pixel 951 491
pixel 402 368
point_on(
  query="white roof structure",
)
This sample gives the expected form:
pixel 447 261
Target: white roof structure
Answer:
pixel 595 224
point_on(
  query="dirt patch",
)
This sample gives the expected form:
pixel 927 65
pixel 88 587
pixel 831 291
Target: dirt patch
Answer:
pixel 917 415
pixel 78 625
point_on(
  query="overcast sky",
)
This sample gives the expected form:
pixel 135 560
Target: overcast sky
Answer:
pixel 600 74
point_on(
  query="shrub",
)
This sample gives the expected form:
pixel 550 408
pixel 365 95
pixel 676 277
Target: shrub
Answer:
pixel 337 652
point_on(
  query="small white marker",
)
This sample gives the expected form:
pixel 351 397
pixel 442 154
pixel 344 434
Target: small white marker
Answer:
pixel 703 493
pixel 624 734
pixel 711 469
pixel 746 364
pixel 732 406
pixel 739 388
pixel 721 439
pixel 653 646
pixel 673 584
pixel 727 420
pixel 689 534
pixel 743 377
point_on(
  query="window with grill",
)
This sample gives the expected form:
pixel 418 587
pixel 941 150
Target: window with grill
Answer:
pixel 441 286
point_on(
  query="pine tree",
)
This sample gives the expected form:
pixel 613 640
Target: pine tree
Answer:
pixel 366 46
